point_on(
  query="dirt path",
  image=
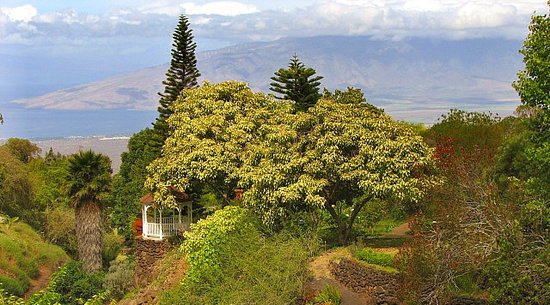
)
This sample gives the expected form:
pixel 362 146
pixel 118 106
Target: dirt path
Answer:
pixel 322 277
pixel 39 283
pixel 401 230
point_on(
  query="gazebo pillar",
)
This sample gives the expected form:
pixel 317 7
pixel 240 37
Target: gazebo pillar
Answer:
pixel 160 223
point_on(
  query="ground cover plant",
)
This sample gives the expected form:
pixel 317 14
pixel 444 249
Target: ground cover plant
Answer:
pixel 371 256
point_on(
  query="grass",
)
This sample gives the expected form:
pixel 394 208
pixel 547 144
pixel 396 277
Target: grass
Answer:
pixel 375 258
pixel 22 253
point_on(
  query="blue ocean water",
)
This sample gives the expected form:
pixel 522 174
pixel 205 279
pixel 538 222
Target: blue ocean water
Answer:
pixel 47 124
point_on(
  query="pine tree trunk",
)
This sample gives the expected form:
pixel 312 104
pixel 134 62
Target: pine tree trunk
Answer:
pixel 89 235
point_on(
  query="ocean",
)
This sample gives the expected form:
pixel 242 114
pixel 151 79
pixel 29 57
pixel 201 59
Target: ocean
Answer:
pixel 40 124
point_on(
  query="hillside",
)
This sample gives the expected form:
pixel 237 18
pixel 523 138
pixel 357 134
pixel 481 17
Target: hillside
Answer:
pixel 26 260
pixel 416 79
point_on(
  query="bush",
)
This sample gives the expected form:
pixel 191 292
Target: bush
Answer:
pixel 8 299
pixel 60 228
pixel 112 244
pixel 73 284
pixel 376 258
pixel 231 262
pixel 329 295
pixel 120 276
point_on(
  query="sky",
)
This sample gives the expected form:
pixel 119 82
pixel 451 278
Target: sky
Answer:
pixel 55 44
pixel 47 45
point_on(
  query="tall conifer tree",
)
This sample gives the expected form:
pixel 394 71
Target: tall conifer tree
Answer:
pixel 183 73
pixel 297 83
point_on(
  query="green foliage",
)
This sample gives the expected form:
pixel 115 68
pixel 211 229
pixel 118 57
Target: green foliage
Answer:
pixel 128 183
pixel 533 82
pixel 232 263
pixel 466 131
pixel 183 73
pixel 203 244
pixel 17 188
pixel 371 256
pixel 112 244
pixel 297 83
pixel 59 228
pixel 88 177
pixel 119 278
pixel 329 295
pixel 22 251
pixel 74 284
pixel 519 274
pixel 226 136
pixel 49 185
pixel 22 149
pixel 7 298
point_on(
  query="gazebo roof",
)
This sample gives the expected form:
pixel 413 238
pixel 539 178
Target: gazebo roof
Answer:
pixel 180 197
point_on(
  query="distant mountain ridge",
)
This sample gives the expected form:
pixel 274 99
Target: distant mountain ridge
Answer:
pixel 414 79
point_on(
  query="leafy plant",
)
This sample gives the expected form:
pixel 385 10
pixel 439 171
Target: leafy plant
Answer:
pixel 370 256
pixel 119 278
pixel 231 262
pixel 329 295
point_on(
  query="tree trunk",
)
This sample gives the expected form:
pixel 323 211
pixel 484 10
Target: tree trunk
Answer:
pixel 89 234
pixel 342 229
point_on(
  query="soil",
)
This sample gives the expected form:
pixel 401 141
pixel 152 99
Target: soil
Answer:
pixel 401 230
pixel 39 283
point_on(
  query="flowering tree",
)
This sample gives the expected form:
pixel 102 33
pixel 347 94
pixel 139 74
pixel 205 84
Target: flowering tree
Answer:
pixel 338 152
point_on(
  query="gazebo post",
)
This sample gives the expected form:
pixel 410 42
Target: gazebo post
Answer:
pixel 144 230
pixel 160 223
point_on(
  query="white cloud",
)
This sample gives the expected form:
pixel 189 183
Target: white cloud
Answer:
pixel 240 20
pixel 23 13
pixel 223 8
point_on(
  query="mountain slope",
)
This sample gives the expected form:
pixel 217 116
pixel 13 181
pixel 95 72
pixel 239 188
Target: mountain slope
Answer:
pixel 414 79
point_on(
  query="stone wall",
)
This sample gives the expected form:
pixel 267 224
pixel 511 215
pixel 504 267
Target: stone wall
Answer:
pixel 380 285
pixel 148 254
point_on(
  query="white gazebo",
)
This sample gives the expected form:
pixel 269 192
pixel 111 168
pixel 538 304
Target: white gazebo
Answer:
pixel 159 223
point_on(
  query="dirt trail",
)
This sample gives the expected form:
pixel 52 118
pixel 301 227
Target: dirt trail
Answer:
pixel 401 230
pixel 39 283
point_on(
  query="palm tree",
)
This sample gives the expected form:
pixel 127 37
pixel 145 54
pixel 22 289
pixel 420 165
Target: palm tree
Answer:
pixel 88 182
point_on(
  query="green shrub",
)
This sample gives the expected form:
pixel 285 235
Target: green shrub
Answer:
pixel 13 286
pixel 59 228
pixel 376 258
pixel 112 244
pixel 8 299
pixel 120 276
pixel 73 284
pixel 329 295
pixel 231 262
pixel 204 243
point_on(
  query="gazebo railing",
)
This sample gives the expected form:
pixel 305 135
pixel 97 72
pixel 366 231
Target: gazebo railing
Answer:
pixel 170 226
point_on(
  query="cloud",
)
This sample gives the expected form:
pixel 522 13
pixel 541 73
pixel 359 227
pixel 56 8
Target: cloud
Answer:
pixel 22 13
pixel 240 21
pixel 223 8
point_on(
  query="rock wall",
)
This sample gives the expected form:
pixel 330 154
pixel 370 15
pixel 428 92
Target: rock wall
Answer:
pixel 380 285
pixel 148 254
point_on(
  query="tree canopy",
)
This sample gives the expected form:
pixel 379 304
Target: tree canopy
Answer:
pixel 23 149
pixel 297 83
pixel 337 152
